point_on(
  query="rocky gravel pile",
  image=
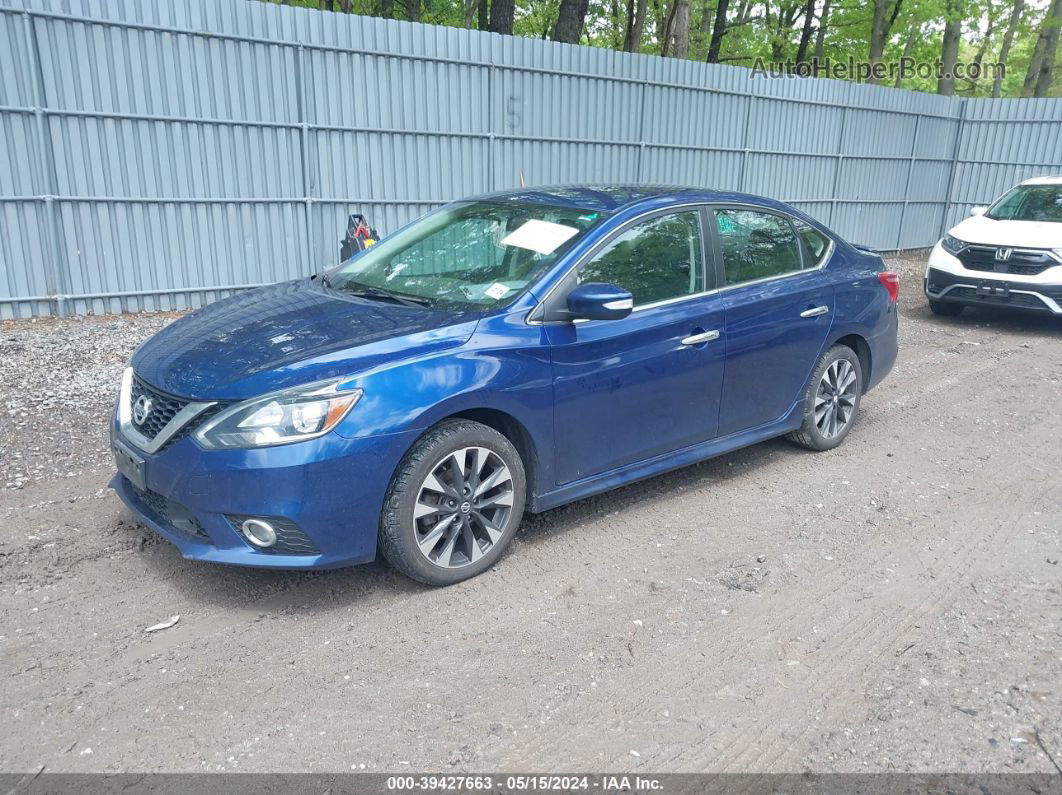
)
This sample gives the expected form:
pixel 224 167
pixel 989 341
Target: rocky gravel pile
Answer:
pixel 58 382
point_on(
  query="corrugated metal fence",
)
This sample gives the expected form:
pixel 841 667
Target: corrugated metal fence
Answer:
pixel 160 155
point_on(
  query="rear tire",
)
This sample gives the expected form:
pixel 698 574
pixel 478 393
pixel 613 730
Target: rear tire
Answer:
pixel 454 503
pixel 944 309
pixel 831 400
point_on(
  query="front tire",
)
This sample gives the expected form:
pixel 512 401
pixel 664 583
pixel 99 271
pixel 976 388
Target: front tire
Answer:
pixel 454 504
pixel 944 309
pixel 831 401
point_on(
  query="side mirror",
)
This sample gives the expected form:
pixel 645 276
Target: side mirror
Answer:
pixel 978 210
pixel 597 301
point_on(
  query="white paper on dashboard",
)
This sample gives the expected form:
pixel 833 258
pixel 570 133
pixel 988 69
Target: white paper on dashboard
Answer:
pixel 541 236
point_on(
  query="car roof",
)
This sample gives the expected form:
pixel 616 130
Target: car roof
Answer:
pixel 610 198
pixel 1056 180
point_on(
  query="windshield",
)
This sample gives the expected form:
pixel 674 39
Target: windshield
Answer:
pixel 473 255
pixel 1029 203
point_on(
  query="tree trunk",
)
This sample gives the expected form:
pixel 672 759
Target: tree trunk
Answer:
pixel 949 51
pixel 980 56
pixel 346 6
pixel 501 16
pixel 907 47
pixel 680 30
pixel 483 15
pixel 385 9
pixel 1008 39
pixel 718 31
pixel 412 10
pixel 1042 64
pixel 327 5
pixel 570 19
pixel 805 32
pixel 665 31
pixel 633 42
pixel 820 34
pixel 880 27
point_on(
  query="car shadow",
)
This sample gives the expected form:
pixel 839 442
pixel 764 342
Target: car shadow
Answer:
pixel 263 592
pixel 537 528
pixel 266 591
pixel 1007 321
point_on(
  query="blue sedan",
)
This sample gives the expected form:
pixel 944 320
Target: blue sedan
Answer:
pixel 511 352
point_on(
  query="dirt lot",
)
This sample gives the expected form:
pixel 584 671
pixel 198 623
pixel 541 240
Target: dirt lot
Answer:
pixel 892 605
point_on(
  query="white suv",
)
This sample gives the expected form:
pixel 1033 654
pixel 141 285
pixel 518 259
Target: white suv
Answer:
pixel 1007 255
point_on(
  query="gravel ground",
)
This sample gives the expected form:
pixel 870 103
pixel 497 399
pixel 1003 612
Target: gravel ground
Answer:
pixel 893 605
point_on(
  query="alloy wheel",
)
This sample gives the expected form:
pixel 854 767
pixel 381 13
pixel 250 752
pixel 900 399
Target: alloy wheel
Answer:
pixel 835 398
pixel 463 507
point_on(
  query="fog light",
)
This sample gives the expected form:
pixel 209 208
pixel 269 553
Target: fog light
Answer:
pixel 259 533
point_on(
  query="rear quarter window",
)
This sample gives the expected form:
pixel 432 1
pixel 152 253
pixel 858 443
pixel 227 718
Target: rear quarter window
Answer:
pixel 815 242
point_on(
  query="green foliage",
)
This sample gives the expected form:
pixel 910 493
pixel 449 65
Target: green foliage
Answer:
pixel 772 28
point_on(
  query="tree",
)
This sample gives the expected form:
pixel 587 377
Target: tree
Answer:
pixel 718 31
pixel 676 40
pixel 949 50
pixel 881 24
pixel 820 35
pixel 1042 64
pixel 570 21
pixel 805 32
pixel 632 42
pixel 412 8
pixel 1008 39
pixel 501 16
pixel 908 46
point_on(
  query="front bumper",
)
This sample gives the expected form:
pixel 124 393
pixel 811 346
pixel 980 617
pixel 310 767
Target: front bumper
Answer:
pixel 332 489
pixel 946 280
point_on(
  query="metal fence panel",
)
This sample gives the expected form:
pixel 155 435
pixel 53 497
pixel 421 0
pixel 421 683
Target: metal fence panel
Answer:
pixel 162 155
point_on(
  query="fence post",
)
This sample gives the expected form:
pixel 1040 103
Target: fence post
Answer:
pixel 57 270
pixel 491 109
pixel 745 141
pixel 907 185
pixel 641 131
pixel 837 169
pixel 304 152
pixel 951 171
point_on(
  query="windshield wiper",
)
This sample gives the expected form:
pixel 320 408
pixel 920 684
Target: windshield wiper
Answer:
pixel 365 291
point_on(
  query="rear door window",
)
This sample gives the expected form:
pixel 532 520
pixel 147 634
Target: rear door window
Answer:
pixel 756 245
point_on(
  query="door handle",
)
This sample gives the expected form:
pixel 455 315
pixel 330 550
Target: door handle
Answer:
pixel 815 312
pixel 704 336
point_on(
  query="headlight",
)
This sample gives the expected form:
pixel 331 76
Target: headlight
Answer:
pixel 951 244
pixel 291 415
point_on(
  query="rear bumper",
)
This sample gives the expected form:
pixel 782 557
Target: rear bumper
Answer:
pixel 992 290
pixel 331 489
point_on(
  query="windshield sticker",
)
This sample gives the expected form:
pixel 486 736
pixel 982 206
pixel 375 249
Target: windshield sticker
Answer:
pixel 497 291
pixel 541 236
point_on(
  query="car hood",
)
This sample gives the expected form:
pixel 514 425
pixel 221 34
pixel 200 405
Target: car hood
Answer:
pixel 285 335
pixel 1016 234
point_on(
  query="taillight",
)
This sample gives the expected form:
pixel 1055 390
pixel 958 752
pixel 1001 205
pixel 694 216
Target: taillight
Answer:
pixel 891 282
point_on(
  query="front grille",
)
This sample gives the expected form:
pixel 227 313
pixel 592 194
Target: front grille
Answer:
pixel 164 407
pixel 1023 262
pixel 290 539
pixel 170 514
pixel 1016 300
